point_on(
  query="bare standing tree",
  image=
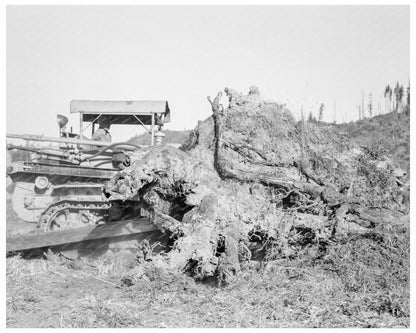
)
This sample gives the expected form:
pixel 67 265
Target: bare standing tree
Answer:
pixel 398 94
pixel 387 96
pixel 408 95
pixel 370 105
pixel 321 111
pixel 408 99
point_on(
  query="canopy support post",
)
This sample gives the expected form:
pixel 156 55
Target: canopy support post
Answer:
pixel 81 130
pixel 153 129
pixel 143 125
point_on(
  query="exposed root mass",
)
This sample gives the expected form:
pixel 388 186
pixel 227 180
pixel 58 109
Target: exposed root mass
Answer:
pixel 251 179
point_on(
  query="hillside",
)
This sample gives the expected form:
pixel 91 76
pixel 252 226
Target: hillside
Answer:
pixel 175 137
pixel 390 132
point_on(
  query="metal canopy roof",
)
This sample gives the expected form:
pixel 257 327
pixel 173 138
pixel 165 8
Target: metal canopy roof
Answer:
pixel 121 112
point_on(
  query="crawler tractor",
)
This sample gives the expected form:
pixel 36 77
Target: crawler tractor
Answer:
pixel 59 188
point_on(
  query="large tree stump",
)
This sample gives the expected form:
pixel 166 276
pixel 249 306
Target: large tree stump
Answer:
pixel 251 175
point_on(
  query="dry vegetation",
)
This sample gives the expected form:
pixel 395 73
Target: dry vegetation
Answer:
pixel 362 282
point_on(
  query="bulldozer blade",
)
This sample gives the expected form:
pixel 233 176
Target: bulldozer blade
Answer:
pixel 61 237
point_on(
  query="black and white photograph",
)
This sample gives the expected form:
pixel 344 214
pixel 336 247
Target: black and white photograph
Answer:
pixel 236 165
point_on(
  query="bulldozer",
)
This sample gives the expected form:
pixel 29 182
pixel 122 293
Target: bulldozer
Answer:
pixel 59 188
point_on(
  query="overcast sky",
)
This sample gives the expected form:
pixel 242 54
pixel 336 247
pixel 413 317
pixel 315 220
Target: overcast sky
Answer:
pixel 300 55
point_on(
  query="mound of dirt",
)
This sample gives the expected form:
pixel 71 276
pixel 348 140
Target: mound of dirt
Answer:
pixel 251 179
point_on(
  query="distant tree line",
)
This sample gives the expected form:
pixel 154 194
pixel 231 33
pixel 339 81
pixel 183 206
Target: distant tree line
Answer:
pixel 394 98
pixel 312 118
